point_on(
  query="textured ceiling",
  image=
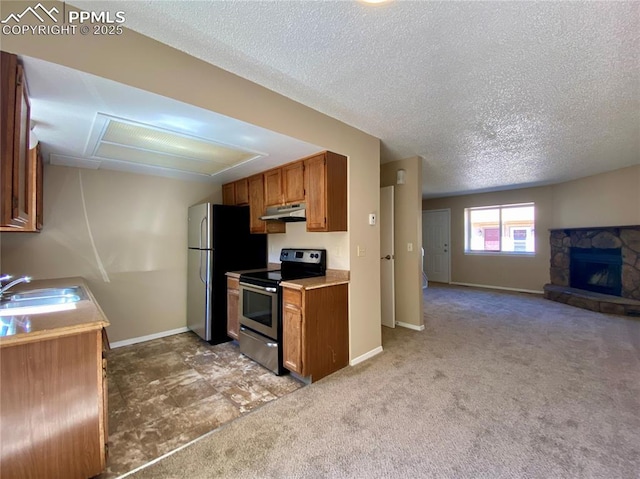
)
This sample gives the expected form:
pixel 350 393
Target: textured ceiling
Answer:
pixel 491 95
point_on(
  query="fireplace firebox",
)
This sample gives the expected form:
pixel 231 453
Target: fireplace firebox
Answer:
pixel 596 269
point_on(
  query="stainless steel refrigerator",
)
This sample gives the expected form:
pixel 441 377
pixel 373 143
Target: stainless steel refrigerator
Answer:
pixel 219 241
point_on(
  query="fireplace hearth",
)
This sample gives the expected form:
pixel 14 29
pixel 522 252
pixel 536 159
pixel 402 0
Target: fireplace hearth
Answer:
pixel 596 268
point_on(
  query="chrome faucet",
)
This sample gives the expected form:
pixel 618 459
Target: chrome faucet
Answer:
pixel 7 277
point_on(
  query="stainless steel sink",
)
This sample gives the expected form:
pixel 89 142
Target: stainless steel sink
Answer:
pixel 43 297
pixel 70 292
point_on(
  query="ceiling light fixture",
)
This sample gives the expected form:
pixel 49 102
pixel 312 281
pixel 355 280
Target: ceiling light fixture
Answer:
pixel 130 142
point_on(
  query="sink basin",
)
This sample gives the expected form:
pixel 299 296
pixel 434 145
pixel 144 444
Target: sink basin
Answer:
pixel 38 301
pixel 72 294
pixel 29 303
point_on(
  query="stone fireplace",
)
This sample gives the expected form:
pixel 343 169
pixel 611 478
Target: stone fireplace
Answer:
pixel 596 268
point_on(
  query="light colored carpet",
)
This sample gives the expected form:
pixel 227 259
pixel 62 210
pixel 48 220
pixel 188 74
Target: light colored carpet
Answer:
pixel 498 385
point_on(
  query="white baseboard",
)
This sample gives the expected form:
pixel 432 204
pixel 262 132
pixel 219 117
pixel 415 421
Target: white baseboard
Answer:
pixel 410 326
pixel 517 290
pixel 142 339
pixel 365 356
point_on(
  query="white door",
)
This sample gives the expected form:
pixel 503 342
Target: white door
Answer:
pixel 436 244
pixel 387 283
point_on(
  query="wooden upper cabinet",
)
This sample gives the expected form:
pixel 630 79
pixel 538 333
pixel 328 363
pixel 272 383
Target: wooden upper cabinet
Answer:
pixel 325 180
pixel 36 197
pixel 229 194
pixel 256 204
pixel 236 193
pixel 285 185
pixel 320 181
pixel 242 191
pixel 17 167
pixel 293 182
pixel 273 188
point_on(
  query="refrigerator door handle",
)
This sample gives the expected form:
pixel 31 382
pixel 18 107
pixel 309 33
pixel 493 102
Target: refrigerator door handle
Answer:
pixel 204 280
pixel 202 222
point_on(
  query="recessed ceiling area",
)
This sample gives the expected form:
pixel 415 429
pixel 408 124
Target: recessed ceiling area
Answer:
pixel 126 141
pixel 85 121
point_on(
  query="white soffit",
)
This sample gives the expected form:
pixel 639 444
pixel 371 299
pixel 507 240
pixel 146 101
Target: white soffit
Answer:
pixel 128 141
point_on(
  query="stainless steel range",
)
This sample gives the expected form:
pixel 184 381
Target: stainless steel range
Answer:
pixel 260 334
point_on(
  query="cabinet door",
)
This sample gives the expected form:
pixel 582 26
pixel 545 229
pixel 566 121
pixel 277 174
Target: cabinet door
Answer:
pixel 292 338
pixel 229 194
pixel 21 185
pixel 242 192
pixel 293 182
pixel 273 187
pixel 256 204
pixel 233 301
pixel 53 409
pixel 17 188
pixel 315 180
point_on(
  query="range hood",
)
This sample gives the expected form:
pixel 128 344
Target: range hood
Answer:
pixel 286 213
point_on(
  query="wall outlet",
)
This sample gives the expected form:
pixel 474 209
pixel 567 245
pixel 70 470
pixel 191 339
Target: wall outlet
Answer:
pixel 372 219
pixel 409 246
pixel 361 251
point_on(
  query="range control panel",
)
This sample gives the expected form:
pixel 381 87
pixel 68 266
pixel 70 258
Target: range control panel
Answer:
pixel 308 256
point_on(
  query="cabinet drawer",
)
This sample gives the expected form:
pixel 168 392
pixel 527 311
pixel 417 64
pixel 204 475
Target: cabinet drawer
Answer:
pixel 292 296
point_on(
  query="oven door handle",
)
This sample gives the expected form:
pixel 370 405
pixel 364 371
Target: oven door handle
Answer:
pixel 263 288
pixel 269 344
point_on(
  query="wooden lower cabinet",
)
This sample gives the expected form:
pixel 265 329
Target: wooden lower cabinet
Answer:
pixel 233 311
pixel 53 408
pixel 315 330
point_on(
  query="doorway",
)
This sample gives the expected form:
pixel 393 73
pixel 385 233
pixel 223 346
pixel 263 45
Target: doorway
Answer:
pixel 387 258
pixel 436 242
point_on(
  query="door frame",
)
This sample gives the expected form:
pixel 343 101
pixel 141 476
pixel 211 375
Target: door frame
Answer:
pixel 448 211
pixel 393 272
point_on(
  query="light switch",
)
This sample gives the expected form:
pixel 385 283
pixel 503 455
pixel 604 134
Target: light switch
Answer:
pixel 409 246
pixel 361 251
pixel 372 219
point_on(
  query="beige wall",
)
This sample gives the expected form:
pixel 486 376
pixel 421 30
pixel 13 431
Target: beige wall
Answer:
pixel 297 236
pixel 407 229
pixel 609 199
pixel 137 223
pixel 141 62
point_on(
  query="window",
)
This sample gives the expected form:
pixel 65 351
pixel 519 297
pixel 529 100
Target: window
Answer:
pixel 500 229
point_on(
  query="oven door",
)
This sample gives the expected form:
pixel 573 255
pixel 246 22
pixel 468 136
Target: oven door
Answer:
pixel 259 309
